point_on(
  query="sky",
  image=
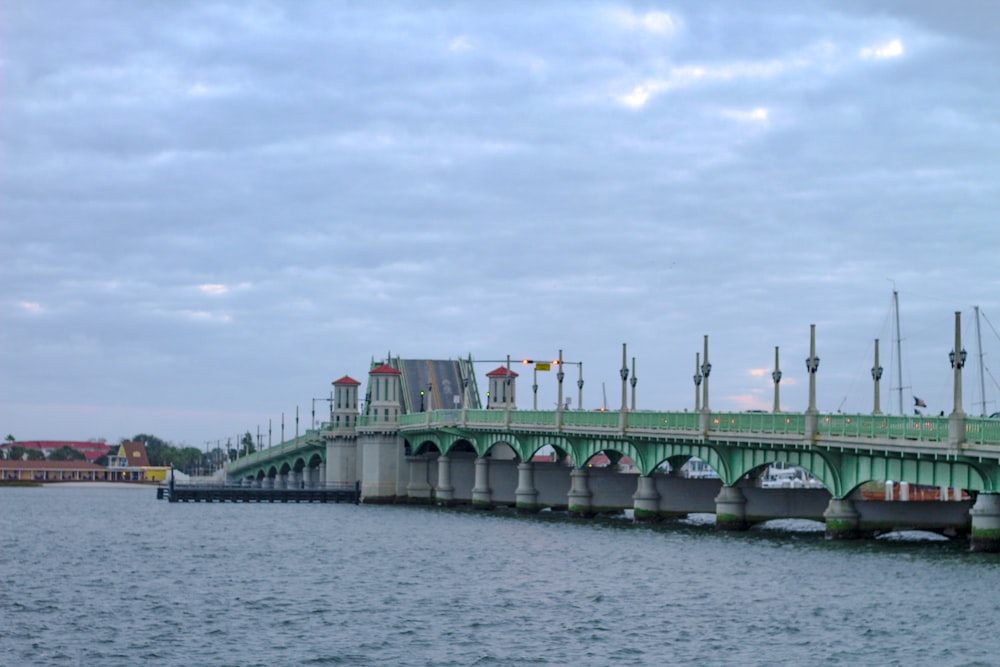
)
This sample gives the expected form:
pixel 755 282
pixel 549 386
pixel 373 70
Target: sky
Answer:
pixel 209 211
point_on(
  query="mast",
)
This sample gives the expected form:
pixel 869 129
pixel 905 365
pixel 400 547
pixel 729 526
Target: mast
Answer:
pixel 982 382
pixel 899 351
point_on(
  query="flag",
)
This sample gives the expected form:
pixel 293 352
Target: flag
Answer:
pixel 919 402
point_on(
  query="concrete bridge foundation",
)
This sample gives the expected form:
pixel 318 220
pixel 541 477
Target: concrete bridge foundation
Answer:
pixel 646 500
pixel 986 523
pixel 482 494
pixel 445 491
pixel 418 491
pixel 730 509
pixel 843 521
pixel 526 495
pixel 580 499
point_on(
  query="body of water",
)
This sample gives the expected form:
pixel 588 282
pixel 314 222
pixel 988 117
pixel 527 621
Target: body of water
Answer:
pixel 111 576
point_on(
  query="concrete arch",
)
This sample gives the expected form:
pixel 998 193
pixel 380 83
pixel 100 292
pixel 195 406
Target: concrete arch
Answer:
pixel 487 442
pixel 426 446
pixel 748 461
pixel 712 456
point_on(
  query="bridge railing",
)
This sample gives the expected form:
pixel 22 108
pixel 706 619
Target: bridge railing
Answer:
pixel 893 427
pixel 983 431
pixel 757 422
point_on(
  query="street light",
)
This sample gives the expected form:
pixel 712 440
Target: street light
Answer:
pixel 697 381
pixel 961 358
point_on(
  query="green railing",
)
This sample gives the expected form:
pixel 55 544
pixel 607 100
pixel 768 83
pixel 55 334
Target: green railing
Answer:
pixel 927 429
pixel 757 422
pixel 674 421
pixel 982 431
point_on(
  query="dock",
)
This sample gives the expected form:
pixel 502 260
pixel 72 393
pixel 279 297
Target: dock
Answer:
pixel 202 493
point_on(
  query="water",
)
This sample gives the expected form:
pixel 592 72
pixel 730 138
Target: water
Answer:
pixel 111 576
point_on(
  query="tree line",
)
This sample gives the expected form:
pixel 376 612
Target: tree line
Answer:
pixel 158 451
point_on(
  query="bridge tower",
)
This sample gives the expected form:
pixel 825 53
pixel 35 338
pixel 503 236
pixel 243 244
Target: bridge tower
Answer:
pixel 502 393
pixel 342 439
pixel 381 461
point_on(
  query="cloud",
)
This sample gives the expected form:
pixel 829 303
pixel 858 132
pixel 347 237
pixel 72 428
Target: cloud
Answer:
pixel 32 307
pixel 755 115
pixel 460 44
pixel 653 21
pixel 890 49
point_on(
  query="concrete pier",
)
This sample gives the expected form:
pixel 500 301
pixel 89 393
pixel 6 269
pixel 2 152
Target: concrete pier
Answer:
pixel 842 520
pixel 445 491
pixel 580 499
pixel 646 500
pixel 418 490
pixel 730 509
pixel 526 495
pixel 482 495
pixel 986 523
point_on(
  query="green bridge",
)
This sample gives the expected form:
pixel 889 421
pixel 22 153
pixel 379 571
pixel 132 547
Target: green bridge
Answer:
pixel 844 452
pixel 498 454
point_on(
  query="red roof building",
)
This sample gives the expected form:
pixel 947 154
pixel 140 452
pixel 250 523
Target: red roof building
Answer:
pixel 90 450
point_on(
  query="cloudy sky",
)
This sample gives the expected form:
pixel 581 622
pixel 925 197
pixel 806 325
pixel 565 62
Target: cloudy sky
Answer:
pixel 211 210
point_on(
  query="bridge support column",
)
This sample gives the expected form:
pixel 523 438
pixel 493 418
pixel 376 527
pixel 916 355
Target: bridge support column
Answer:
pixel 842 521
pixel 445 491
pixel 646 500
pixel 294 479
pixel 731 509
pixel 307 478
pixel 482 494
pixel 418 490
pixel 321 476
pixel 267 483
pixel 580 498
pixel 986 523
pixel 526 495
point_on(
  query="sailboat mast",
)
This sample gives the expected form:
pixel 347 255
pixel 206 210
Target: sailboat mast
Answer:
pixel 899 351
pixel 982 382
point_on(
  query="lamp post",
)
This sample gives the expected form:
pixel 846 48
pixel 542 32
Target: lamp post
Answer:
pixel 560 376
pixel 876 376
pixel 957 362
pixel 706 369
pixel 812 365
pixel 776 376
pixel 697 381
pixel 314 408
pixel 534 388
pixel 624 375
pixel 579 387
pixel 633 382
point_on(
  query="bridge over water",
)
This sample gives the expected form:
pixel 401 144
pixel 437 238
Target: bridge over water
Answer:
pixel 405 448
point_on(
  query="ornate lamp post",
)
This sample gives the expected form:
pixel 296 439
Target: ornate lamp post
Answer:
pixel 812 365
pixel 633 382
pixel 776 376
pixel 697 381
pixel 579 387
pixel 560 376
pixel 957 362
pixel 624 376
pixel 876 376
pixel 706 370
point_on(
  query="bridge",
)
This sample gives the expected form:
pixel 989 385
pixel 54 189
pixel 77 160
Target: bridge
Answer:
pixel 406 448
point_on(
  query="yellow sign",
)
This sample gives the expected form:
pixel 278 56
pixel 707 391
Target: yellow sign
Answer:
pixel 543 366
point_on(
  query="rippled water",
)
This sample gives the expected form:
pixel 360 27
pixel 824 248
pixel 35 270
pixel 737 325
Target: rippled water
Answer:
pixel 111 576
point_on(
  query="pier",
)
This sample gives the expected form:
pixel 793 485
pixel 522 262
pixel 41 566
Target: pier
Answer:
pixel 228 493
